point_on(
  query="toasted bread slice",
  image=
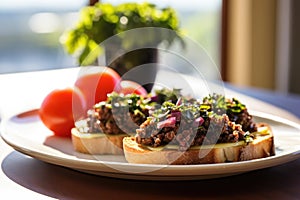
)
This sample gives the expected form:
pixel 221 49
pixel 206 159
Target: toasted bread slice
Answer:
pixel 262 146
pixel 97 143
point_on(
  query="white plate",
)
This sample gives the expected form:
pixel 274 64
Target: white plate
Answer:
pixel 26 133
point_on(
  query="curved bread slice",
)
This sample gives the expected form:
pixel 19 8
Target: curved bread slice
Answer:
pixel 97 143
pixel 262 146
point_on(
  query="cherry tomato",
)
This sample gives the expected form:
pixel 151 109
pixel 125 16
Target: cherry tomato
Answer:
pixel 61 108
pixel 96 85
pixel 128 87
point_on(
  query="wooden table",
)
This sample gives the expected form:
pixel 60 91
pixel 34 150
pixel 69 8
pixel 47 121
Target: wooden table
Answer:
pixel 23 177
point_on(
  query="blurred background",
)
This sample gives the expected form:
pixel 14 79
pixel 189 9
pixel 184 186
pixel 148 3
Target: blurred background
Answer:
pixel 253 42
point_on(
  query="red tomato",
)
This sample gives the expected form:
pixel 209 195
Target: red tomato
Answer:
pixel 60 109
pixel 95 86
pixel 128 87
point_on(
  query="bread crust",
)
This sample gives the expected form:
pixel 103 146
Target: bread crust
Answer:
pixel 97 143
pixel 262 146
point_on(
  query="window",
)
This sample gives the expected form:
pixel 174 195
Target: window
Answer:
pixel 31 29
pixel 30 32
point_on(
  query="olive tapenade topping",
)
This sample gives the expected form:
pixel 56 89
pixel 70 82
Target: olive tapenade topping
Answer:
pixel 120 114
pixel 190 123
pixel 236 111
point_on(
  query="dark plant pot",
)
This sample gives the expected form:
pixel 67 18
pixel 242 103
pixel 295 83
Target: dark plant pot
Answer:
pixel 145 58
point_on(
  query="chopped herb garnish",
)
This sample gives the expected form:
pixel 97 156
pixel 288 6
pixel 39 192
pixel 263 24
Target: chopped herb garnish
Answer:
pixel 248 137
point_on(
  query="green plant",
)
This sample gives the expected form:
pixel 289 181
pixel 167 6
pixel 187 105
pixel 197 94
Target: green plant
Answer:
pixel 103 20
